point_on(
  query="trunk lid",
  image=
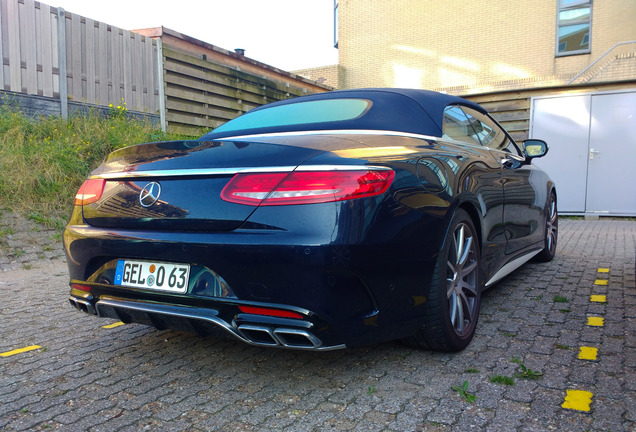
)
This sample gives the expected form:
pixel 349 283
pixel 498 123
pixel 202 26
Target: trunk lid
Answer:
pixel 184 180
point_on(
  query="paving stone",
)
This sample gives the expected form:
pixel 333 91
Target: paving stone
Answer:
pixel 134 378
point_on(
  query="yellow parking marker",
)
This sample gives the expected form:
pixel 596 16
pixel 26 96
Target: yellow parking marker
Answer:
pixel 579 400
pixel 588 353
pixel 110 326
pixel 598 298
pixel 603 270
pixel 21 350
pixel 600 282
pixel 596 321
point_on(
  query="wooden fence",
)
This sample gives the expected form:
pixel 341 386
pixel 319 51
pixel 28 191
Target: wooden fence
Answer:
pixel 512 108
pixel 201 95
pixel 100 64
pixel 56 62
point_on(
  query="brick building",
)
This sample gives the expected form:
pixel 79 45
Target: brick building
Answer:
pixel 544 68
pixel 473 47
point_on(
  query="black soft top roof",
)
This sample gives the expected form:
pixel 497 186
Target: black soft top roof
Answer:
pixel 401 110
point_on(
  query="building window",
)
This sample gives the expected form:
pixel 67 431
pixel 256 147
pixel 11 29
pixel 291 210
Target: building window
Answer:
pixel 335 23
pixel 573 27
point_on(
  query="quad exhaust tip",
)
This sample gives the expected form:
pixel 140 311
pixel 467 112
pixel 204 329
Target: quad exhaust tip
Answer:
pixel 279 337
pixel 82 305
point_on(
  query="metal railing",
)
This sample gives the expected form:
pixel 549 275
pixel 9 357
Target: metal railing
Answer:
pixel 600 58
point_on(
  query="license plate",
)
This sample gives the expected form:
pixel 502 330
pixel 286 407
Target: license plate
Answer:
pixel 154 275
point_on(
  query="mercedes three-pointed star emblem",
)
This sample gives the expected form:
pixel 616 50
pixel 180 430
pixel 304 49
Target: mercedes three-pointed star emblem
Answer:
pixel 149 194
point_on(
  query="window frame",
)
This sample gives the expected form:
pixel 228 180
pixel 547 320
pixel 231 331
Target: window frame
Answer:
pixel 472 115
pixel 464 138
pixel 511 147
pixel 577 5
pixel 335 23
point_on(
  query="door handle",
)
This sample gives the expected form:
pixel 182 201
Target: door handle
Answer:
pixel 593 152
pixel 507 163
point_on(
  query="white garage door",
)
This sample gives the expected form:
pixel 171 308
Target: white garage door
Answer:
pixel 592 157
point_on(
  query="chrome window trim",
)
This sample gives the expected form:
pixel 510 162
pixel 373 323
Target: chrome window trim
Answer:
pixel 329 132
pixel 232 171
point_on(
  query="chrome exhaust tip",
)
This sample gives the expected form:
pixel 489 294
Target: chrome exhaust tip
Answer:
pixel 82 305
pixel 294 338
pixel 279 337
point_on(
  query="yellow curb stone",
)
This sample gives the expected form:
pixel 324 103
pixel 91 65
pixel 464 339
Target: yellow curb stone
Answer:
pixel 578 400
pixel 598 298
pixel 596 321
pixel 110 326
pixel 588 353
pixel 21 350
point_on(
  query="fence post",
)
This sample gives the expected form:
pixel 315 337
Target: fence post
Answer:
pixel 162 90
pixel 61 56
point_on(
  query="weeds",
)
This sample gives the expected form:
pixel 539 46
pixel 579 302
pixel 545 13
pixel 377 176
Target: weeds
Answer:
pixel 463 392
pixel 52 222
pixel 528 373
pixel 502 379
pixel 43 161
pixel 472 370
pixel 560 299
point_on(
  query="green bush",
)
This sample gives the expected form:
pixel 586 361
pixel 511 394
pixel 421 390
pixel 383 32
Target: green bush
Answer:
pixel 44 161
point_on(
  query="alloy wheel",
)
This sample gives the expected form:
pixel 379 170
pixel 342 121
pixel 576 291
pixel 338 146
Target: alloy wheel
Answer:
pixel 552 225
pixel 462 280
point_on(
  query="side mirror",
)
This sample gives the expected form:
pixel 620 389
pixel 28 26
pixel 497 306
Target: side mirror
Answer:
pixel 535 148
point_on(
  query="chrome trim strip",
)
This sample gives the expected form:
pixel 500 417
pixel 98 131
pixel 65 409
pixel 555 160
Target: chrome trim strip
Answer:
pixel 512 266
pixel 202 315
pixel 231 171
pixel 330 132
pixel 354 132
pixel 168 310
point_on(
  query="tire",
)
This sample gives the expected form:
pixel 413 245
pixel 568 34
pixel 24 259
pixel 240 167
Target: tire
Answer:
pixel 551 231
pixel 452 308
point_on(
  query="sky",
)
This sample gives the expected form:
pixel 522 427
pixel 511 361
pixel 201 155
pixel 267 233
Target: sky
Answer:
pixel 287 34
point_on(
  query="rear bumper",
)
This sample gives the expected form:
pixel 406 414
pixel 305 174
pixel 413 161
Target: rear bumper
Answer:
pixel 354 286
pixel 271 332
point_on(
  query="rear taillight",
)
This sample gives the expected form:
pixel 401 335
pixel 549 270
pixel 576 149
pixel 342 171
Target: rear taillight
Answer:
pixel 305 187
pixel 81 287
pixel 90 192
pixel 270 312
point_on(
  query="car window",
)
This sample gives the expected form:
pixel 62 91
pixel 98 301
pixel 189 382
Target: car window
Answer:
pixel 489 133
pixel 319 111
pixel 456 126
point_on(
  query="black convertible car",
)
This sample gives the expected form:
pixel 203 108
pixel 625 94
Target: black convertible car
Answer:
pixel 323 222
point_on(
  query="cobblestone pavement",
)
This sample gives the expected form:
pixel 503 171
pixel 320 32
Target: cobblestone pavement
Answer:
pixel 132 377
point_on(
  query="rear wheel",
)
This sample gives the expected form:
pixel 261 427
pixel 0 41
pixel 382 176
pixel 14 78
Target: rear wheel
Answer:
pixel 452 307
pixel 551 231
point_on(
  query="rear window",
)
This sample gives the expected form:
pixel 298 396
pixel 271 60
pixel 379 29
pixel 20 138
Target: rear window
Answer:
pixel 319 111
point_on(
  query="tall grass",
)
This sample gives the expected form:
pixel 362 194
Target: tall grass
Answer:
pixel 44 161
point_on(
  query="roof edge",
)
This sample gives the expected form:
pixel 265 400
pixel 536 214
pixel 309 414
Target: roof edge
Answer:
pixel 158 32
